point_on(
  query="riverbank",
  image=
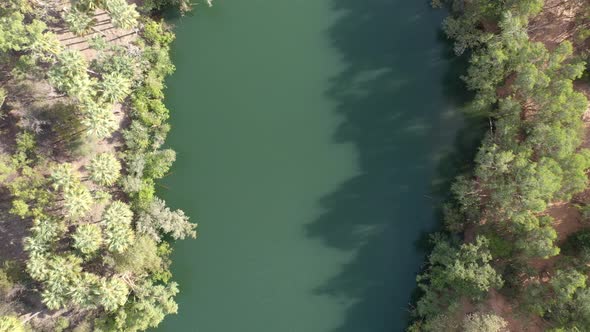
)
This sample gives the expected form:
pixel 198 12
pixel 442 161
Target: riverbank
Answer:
pixel 85 240
pixel 521 213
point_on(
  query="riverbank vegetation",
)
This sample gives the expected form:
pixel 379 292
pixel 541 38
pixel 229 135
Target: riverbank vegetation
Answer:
pixel 85 242
pixel 514 256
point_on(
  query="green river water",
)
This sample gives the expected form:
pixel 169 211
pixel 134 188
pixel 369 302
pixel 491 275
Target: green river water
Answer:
pixel 313 140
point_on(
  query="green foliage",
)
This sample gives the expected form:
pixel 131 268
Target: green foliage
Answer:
pixel 539 242
pixel 157 33
pixel 87 238
pixel 99 120
pixel 79 22
pixel 158 163
pixel 123 14
pixel 112 293
pixel 25 149
pixel 137 137
pixel 61 324
pixel 150 304
pixel 63 177
pixel 69 75
pixel 77 201
pixel 20 208
pixel 104 169
pixel 11 324
pixel 44 235
pixel 158 219
pixel 479 322
pixel 116 60
pixel 499 247
pixel 100 267
pixel 6 168
pixel 140 258
pixel 117 221
pixel 30 188
pixel 440 322
pixel 462 271
pixel 564 301
pixel 115 87
pixel 159 5
pixel 18 34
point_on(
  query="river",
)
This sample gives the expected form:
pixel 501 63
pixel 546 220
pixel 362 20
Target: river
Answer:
pixel 314 138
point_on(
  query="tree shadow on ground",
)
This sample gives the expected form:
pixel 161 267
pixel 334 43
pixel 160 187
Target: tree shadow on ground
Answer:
pixel 396 99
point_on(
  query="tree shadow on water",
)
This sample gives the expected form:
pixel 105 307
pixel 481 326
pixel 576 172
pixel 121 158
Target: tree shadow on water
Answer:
pixel 395 99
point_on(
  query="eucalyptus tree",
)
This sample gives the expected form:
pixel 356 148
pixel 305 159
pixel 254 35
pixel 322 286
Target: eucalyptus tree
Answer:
pixel 158 163
pixel 87 238
pixel 158 219
pixel 454 272
pixel 140 259
pixel 104 169
pixel 77 201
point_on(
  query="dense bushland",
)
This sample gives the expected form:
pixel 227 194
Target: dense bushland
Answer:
pixel 80 166
pixel 530 157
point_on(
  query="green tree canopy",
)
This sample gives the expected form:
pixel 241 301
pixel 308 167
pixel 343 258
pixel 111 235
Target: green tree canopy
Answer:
pixel 480 322
pixel 104 169
pixel 11 324
pixel 158 219
pixel 77 201
pixel 117 219
pixel 87 238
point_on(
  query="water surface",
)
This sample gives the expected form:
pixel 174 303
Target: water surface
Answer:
pixel 309 136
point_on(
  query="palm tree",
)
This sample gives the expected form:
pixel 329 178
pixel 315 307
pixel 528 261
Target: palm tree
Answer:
pixel 37 266
pixel 113 293
pixel 78 21
pixel 83 293
pixel 77 201
pixel 118 237
pixel 88 5
pixel 70 67
pixel 52 299
pixel 99 122
pixel 115 87
pixel 117 213
pixel 63 177
pixel 35 245
pixel 123 15
pixel 117 219
pixel 87 238
pixel 104 169
pixel 83 88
